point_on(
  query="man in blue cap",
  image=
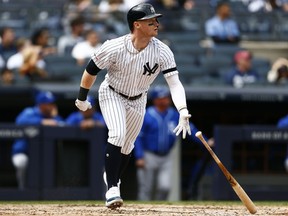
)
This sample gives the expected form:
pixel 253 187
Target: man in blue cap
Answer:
pixel 86 119
pixel 154 145
pixel 44 112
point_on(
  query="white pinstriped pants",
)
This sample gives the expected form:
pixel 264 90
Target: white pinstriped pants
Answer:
pixel 123 117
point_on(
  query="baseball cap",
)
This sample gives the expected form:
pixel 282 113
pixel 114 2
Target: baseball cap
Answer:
pixel 141 11
pixel 45 97
pixel 159 92
pixel 242 54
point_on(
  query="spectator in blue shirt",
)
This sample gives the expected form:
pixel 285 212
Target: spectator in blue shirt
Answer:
pixel 88 119
pixel 221 28
pixel 242 73
pixel 154 145
pixel 44 112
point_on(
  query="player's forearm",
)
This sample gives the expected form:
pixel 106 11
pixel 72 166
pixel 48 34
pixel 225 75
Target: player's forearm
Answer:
pixel 177 92
pixel 87 80
pixel 86 83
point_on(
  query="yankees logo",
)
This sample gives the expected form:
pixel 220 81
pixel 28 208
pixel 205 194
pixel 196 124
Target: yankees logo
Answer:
pixel 148 70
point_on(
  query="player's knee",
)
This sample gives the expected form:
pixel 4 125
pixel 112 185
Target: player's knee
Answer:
pixel 20 160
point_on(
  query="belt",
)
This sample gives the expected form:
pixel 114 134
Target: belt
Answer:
pixel 126 96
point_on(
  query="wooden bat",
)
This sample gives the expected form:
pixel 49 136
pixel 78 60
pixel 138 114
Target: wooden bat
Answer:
pixel 235 185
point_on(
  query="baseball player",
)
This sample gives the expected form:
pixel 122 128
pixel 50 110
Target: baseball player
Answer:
pixel 154 145
pixel 45 112
pixel 133 61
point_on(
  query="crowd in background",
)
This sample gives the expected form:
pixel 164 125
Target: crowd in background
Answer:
pixel 81 26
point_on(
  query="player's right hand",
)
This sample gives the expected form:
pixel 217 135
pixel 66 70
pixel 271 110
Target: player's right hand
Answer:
pixel 83 105
pixel 183 125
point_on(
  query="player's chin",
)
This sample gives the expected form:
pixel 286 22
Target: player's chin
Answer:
pixel 155 32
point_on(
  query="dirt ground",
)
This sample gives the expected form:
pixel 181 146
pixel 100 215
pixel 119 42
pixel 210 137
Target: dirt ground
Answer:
pixel 137 209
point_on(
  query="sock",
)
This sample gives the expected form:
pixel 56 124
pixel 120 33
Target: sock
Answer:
pixel 124 163
pixel 112 164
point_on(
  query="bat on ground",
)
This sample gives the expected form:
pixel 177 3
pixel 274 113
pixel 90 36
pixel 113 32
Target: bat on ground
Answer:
pixel 235 185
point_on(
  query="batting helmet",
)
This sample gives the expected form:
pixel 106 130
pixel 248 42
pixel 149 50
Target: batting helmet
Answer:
pixel 141 11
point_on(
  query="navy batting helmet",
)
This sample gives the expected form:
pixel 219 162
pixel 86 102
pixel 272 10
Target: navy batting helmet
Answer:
pixel 141 11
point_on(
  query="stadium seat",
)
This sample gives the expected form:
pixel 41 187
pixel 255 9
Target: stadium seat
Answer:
pixel 213 63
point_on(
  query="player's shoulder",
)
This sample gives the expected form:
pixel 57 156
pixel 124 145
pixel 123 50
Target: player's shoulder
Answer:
pixel 113 44
pixel 163 47
pixel 117 40
pixel 159 43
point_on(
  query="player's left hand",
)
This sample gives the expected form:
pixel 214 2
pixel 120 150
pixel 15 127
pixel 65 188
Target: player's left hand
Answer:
pixel 83 105
pixel 183 125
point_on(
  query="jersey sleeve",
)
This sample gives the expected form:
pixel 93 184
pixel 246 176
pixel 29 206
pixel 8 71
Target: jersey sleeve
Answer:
pixel 103 56
pixel 29 116
pixel 168 64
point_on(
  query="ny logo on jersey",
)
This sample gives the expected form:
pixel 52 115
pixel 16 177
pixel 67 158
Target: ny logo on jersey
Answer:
pixel 148 70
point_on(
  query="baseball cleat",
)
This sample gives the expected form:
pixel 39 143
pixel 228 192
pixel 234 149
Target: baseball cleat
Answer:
pixel 113 198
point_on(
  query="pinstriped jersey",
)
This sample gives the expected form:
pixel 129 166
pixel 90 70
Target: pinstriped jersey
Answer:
pixel 132 72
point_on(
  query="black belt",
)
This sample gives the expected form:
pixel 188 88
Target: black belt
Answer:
pixel 126 96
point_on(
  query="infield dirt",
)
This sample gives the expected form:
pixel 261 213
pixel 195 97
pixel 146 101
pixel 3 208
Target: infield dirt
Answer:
pixel 26 209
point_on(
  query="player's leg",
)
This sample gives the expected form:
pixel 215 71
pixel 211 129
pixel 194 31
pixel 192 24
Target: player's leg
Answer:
pixel 135 112
pixel 164 178
pixel 146 177
pixel 20 162
pixel 114 113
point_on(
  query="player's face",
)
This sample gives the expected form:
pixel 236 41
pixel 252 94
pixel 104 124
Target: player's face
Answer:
pixel 162 103
pixel 149 27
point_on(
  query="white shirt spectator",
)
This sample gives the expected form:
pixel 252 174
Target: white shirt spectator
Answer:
pixel 82 51
pixel 16 61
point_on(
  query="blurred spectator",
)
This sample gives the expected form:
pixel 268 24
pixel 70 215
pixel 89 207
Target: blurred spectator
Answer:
pixel 40 37
pixel 114 16
pixel 242 73
pixel 86 119
pixel 7 77
pixel 74 36
pixel 28 61
pixel 188 4
pixel 7 42
pixel 130 4
pixel 222 28
pixel 278 73
pixel 266 5
pixel 164 4
pixel 154 145
pixel 31 55
pixel 82 51
pixel 108 6
pixel 45 112
pixel 75 8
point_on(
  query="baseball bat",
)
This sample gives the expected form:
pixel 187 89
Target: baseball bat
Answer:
pixel 235 185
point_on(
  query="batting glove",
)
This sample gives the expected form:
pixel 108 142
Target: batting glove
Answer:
pixel 183 125
pixel 83 105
